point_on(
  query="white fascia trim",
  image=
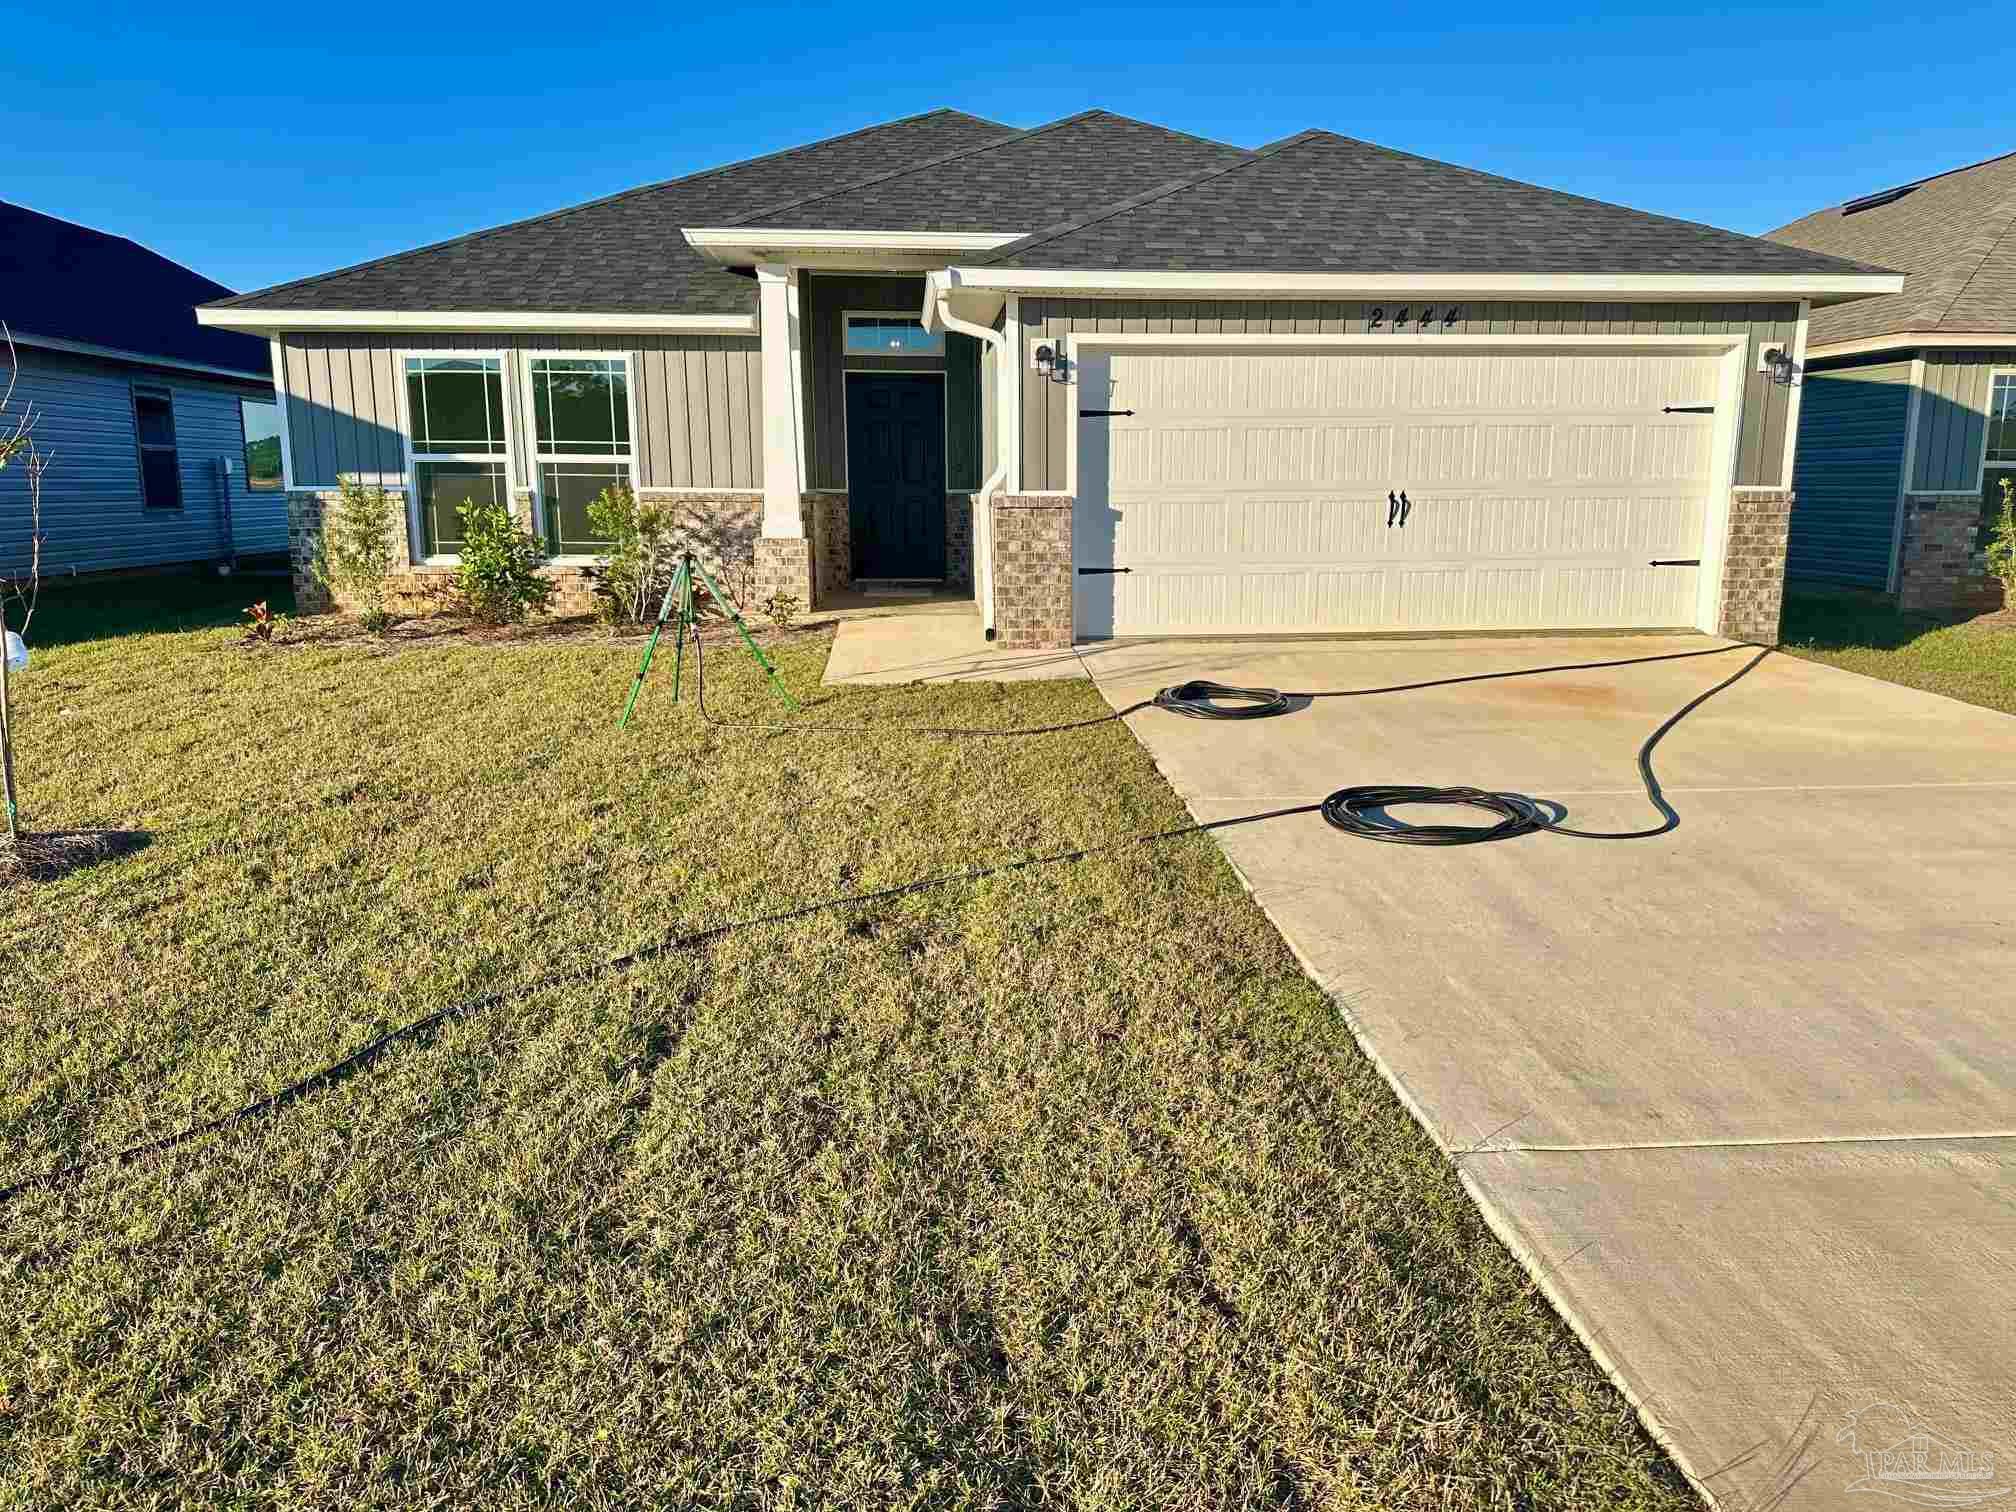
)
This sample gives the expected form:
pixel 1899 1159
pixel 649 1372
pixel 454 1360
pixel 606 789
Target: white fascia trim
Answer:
pixel 264 322
pixel 712 238
pixel 1821 288
pixel 1911 340
pixel 1177 341
pixel 120 354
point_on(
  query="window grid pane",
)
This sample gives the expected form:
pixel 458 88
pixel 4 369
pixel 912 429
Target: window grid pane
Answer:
pixel 891 336
pixel 567 489
pixel 456 404
pixel 2002 419
pixel 443 487
pixel 581 406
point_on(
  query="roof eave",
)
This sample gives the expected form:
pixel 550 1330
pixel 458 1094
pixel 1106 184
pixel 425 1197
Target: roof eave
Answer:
pixel 898 251
pixel 1819 288
pixel 267 322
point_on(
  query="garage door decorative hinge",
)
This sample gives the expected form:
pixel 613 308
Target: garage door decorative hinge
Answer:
pixel 1094 414
pixel 1101 571
pixel 1688 409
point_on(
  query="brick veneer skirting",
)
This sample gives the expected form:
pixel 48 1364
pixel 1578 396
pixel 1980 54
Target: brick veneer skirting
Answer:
pixel 1753 568
pixel 1942 564
pixel 958 540
pixel 828 525
pixel 1032 572
pixel 720 528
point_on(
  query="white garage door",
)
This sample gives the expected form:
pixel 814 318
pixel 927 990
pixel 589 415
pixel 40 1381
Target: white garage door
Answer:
pixel 1249 491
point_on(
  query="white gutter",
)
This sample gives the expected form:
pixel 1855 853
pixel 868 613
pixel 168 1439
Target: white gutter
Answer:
pixel 1820 288
pixel 266 322
pixel 937 310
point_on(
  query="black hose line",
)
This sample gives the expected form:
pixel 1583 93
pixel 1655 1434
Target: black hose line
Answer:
pixel 1355 810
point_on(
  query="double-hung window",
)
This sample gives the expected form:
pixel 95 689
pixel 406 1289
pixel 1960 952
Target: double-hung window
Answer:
pixel 581 446
pixel 455 416
pixel 2002 420
pixel 160 459
pixel 259 422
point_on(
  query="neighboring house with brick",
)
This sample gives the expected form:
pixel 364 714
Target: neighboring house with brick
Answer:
pixel 164 435
pixel 1115 378
pixel 1909 419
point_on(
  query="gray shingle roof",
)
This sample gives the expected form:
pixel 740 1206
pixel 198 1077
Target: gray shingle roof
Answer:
pixel 1953 236
pixel 1039 177
pixel 1318 202
pixel 624 253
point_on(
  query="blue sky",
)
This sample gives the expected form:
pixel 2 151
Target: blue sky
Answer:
pixel 258 143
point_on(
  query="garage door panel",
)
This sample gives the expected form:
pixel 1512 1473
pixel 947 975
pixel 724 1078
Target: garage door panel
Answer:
pixel 1248 491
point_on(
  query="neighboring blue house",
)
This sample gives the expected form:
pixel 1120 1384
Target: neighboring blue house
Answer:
pixel 164 437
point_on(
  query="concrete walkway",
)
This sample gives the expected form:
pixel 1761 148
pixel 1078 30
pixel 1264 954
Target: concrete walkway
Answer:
pixel 1742 1097
pixel 936 638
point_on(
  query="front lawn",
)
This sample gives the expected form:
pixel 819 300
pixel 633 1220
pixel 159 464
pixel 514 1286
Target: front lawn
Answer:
pixel 1972 660
pixel 1062 1188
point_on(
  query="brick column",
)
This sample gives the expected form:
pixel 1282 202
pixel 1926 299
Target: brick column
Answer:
pixel 1032 572
pixel 1753 567
pixel 1941 566
pixel 784 565
pixel 304 539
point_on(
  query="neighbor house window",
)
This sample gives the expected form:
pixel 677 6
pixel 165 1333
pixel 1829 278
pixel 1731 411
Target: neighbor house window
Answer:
pixel 259 419
pixel 891 336
pixel 455 407
pixel 581 430
pixel 160 462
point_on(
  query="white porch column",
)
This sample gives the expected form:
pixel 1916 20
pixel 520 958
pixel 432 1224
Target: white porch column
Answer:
pixel 783 430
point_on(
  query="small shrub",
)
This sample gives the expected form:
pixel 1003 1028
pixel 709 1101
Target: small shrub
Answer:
pixel 783 609
pixel 263 625
pixel 2002 541
pixel 359 546
pixel 641 556
pixel 499 581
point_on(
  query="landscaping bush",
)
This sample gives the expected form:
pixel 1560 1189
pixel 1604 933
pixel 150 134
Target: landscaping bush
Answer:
pixel 2002 541
pixel 359 546
pixel 642 555
pixel 499 581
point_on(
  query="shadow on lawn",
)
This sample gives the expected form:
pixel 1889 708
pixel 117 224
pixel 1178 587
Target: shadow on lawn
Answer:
pixel 1852 621
pixel 149 604
pixel 51 855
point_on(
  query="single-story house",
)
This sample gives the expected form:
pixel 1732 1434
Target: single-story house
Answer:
pixel 1119 379
pixel 164 434
pixel 1909 422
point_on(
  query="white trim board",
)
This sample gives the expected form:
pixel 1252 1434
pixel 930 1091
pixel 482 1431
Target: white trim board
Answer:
pixel 1901 341
pixel 1793 400
pixel 1820 288
pixel 1905 471
pixel 1726 442
pixel 121 354
pixel 260 322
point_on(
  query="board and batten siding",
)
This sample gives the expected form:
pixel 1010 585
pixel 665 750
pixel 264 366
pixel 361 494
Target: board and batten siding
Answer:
pixel 1850 467
pixel 1047 405
pixel 824 300
pixel 93 519
pixel 1953 419
pixel 698 399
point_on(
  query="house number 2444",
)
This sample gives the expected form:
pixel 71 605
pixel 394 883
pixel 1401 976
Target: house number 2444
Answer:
pixel 1427 318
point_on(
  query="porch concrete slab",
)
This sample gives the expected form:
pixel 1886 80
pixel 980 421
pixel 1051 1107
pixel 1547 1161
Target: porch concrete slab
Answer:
pixel 939 640
pixel 1671 1045
pixel 1752 1300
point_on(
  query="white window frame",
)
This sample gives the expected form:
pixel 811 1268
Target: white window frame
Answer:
pixel 1995 376
pixel 415 536
pixel 538 458
pixel 886 316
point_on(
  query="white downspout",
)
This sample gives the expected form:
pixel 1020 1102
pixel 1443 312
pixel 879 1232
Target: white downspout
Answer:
pixel 937 302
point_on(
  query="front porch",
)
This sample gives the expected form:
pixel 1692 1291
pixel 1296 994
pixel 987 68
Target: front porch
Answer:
pixel 935 636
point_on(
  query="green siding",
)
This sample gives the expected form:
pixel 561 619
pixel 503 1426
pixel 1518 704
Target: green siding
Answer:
pixel 1953 419
pixel 962 413
pixel 1850 465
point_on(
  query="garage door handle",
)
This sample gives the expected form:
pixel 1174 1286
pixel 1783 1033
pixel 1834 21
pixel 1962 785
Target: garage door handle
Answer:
pixel 1094 414
pixel 1674 562
pixel 1101 571
pixel 1688 409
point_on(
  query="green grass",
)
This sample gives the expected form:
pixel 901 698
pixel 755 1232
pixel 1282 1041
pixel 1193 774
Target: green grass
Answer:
pixel 1972 661
pixel 1065 1188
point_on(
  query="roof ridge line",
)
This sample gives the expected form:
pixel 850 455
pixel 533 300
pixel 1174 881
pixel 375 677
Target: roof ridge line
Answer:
pixel 1147 197
pixel 604 199
pixel 944 157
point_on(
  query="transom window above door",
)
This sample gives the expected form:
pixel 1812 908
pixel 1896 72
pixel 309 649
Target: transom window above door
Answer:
pixel 892 336
pixel 581 431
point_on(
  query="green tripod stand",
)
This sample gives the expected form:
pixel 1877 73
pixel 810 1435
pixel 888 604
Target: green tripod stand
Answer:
pixel 680 593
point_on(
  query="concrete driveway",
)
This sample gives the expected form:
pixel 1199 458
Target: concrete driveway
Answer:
pixel 1742 1097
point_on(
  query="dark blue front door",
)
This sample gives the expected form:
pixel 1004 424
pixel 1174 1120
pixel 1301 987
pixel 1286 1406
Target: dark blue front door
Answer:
pixel 896 474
